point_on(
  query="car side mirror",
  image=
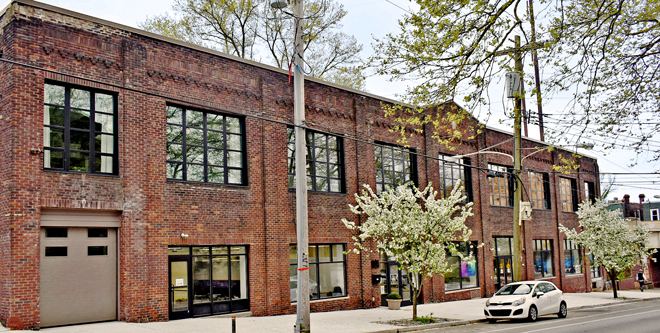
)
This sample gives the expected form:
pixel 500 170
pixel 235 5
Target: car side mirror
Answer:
pixel 539 294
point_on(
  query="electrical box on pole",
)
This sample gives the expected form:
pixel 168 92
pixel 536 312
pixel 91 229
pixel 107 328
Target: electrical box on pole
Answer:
pixel 512 81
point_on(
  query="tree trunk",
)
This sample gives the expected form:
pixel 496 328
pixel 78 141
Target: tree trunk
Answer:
pixel 416 288
pixel 613 275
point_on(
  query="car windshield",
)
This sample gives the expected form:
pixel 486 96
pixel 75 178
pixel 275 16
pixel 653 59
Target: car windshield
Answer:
pixel 516 289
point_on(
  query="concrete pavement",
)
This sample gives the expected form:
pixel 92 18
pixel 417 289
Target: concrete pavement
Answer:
pixel 348 321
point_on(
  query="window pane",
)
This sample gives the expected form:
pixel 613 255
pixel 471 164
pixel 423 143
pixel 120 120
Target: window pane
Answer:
pixel 174 171
pixel 332 142
pixel 220 278
pixel 215 157
pixel 235 176
pixel 335 185
pixel 79 140
pixel 97 250
pixel 321 170
pixel 194 136
pixel 104 164
pixel 233 125
pixel 195 173
pixel 174 152
pixel 56 232
pixel 234 159
pixel 104 103
pixel 201 279
pixel 324 253
pixel 214 139
pixel 321 184
pixel 80 99
pixel 53 94
pixel 194 118
pixel 238 277
pixel 79 162
pixel 174 115
pixel 80 119
pixel 293 254
pixel 55 251
pixel 469 274
pixel 104 143
pixel 104 123
pixel 234 142
pixel 97 232
pixel 453 278
pixel 216 174
pixel 53 116
pixel 338 252
pixel 331 280
pixel 53 137
pixel 214 122
pixel 53 159
pixel 194 154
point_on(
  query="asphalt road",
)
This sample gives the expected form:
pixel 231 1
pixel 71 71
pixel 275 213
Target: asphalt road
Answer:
pixel 638 317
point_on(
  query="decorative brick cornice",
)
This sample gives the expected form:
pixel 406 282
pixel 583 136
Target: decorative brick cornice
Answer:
pixel 187 80
pixel 79 56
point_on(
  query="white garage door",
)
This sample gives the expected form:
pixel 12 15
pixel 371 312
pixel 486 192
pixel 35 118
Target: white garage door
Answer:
pixel 78 268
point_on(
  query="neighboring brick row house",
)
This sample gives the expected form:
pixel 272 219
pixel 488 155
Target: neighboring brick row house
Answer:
pixel 146 179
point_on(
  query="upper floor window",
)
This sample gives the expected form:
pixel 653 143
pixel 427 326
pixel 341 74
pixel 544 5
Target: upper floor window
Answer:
pixel 205 147
pixel 655 214
pixel 500 191
pixel 80 127
pixel 539 190
pixel 452 170
pixel 590 191
pixel 325 167
pixel 394 166
pixel 568 194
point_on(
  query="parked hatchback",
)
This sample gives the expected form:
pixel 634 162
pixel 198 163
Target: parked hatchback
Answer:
pixel 526 299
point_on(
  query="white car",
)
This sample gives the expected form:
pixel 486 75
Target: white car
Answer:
pixel 526 299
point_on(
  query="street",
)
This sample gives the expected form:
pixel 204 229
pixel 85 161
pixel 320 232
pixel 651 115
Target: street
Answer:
pixel 639 317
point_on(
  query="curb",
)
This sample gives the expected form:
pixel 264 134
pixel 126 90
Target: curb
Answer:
pixel 417 328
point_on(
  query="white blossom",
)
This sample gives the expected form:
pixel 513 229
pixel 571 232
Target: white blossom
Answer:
pixel 415 227
pixel 607 236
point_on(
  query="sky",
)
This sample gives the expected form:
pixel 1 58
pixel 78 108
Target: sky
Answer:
pixel 369 19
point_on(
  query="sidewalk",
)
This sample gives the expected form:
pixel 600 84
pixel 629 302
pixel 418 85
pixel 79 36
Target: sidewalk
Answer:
pixel 349 321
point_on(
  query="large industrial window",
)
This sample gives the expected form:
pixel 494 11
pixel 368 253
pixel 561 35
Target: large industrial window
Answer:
pixel 543 258
pixel 464 270
pixel 394 166
pixel 205 147
pixel 500 191
pixel 539 190
pixel 327 271
pixel 325 167
pixel 568 194
pixel 80 127
pixel 572 257
pixel 452 170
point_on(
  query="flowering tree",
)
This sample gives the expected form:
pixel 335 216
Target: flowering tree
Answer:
pixel 413 226
pixel 614 244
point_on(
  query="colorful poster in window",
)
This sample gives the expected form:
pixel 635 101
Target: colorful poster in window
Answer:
pixel 468 268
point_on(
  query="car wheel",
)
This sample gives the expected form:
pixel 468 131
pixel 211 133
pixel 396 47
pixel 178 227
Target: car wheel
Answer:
pixel 533 313
pixel 563 311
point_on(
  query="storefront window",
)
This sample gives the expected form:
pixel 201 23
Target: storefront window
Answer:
pixel 464 270
pixel 572 257
pixel 543 258
pixel 327 271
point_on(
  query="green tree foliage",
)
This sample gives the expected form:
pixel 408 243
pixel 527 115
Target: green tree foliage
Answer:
pixel 252 30
pixel 614 244
pixel 415 226
pixel 607 53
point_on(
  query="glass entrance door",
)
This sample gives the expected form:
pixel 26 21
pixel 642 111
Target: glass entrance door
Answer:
pixel 503 271
pixel 179 291
pixel 395 280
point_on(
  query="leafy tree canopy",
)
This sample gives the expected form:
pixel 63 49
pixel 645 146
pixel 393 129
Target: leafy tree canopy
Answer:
pixel 415 227
pixel 251 29
pixel 606 54
pixel 606 235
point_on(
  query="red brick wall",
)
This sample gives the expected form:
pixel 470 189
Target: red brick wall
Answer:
pixel 261 214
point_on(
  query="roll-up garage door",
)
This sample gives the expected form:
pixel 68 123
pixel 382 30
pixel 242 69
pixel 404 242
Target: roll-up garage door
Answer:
pixel 78 267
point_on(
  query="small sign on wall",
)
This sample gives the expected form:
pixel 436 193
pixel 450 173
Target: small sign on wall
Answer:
pixel 525 210
pixel 179 283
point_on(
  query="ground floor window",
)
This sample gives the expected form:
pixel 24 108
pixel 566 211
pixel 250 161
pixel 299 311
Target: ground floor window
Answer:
pixel 572 257
pixel 595 269
pixel 327 271
pixel 206 280
pixel 543 258
pixel 464 270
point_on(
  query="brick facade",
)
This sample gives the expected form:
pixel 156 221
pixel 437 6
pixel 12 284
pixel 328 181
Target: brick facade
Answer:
pixel 148 73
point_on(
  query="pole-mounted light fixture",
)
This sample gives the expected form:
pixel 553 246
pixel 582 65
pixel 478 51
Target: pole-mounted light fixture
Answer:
pixel 278 4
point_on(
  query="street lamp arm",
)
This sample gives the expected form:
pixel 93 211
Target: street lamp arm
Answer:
pixel 538 151
pixel 485 152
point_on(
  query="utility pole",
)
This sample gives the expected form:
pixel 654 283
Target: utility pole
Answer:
pixel 302 305
pixel 537 76
pixel 517 194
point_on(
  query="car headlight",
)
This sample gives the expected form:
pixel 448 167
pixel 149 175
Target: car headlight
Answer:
pixel 488 302
pixel 519 301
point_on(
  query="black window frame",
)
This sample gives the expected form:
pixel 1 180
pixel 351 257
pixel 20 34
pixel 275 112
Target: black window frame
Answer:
pixel 293 267
pixel 67 150
pixel 470 251
pixel 572 252
pixel 543 248
pixel 460 167
pixel 539 198
pixel 508 180
pixel 312 162
pixel 184 163
pixel 564 191
pixel 412 162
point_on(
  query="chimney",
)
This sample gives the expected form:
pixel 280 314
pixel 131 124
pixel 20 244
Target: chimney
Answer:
pixel 641 198
pixel 626 198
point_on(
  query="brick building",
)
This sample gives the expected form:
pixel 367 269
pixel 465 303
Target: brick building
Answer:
pixel 146 179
